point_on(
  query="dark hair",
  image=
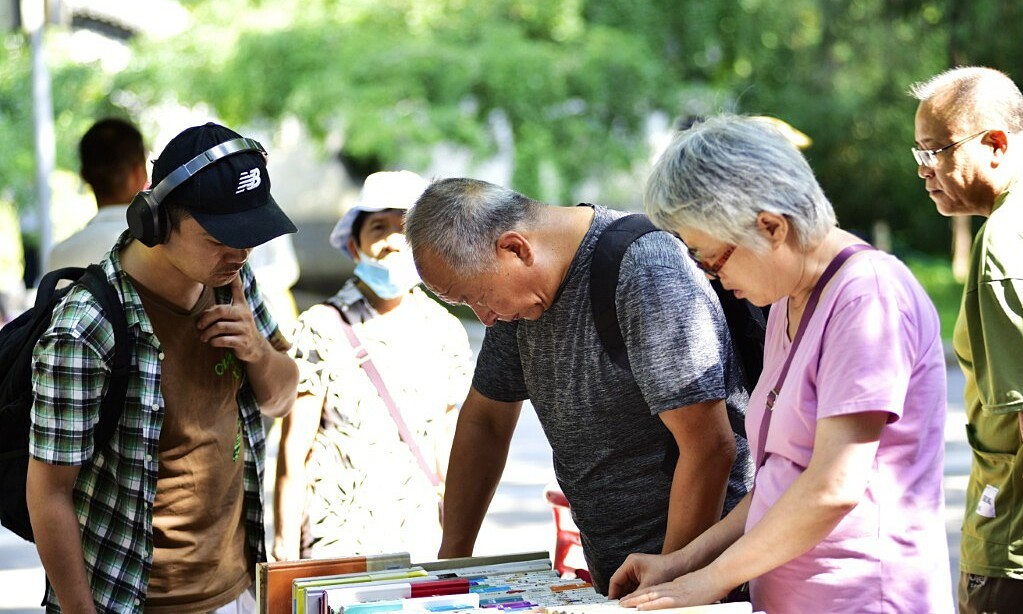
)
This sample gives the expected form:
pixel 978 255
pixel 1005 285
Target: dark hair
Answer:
pixel 357 225
pixel 109 151
pixel 177 210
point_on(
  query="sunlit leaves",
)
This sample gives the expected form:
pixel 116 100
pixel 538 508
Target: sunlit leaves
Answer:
pixel 574 82
pixel 398 77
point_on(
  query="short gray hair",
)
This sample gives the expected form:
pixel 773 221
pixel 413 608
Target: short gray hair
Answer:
pixel 459 220
pixel 718 175
pixel 974 97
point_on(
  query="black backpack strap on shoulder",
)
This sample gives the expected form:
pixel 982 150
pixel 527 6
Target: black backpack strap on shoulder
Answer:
pixel 95 281
pixel 746 322
pixel 47 287
pixel 605 270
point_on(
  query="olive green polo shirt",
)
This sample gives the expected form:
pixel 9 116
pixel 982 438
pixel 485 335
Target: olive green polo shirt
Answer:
pixel 988 342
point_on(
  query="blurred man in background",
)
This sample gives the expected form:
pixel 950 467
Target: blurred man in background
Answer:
pixel 113 159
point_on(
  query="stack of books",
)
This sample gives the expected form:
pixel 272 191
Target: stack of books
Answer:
pixel 390 583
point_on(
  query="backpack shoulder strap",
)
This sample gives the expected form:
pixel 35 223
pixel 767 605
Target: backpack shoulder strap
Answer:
pixel 605 270
pixel 95 281
pixel 47 288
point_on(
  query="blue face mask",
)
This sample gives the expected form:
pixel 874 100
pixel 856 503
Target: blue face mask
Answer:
pixel 388 278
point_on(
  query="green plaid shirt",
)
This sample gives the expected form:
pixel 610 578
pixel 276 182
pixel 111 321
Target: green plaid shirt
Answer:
pixel 116 487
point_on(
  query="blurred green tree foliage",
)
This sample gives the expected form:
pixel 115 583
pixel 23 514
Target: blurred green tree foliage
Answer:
pixel 575 81
pixel 398 76
pixel 80 95
pixel 17 163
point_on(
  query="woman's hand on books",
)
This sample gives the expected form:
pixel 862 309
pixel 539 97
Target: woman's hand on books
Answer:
pixel 697 588
pixel 640 571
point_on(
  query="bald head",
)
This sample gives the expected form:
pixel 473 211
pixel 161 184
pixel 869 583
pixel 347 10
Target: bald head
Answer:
pixel 973 98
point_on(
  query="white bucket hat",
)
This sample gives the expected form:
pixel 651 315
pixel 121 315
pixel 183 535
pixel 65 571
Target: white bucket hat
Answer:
pixel 383 190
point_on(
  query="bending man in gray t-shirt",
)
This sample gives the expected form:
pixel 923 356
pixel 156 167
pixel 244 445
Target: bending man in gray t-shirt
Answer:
pixel 524 267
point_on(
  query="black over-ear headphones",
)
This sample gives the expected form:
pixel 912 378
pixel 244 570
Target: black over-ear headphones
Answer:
pixel 147 220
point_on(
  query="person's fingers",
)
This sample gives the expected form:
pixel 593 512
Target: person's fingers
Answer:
pixel 622 582
pixel 237 291
pixel 658 603
pixel 221 328
pixel 636 598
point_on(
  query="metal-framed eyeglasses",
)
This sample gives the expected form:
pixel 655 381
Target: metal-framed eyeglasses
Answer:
pixel 929 157
pixel 711 269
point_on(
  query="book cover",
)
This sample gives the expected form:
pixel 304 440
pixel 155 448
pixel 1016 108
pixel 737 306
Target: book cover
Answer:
pixel 274 579
pixel 307 593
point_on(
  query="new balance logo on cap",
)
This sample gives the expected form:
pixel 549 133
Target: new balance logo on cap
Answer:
pixel 249 180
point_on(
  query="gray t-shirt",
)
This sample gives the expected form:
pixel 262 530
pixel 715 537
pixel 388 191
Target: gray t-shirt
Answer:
pixel 601 420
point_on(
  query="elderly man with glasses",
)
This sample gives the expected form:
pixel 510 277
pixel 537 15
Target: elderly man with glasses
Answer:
pixel 968 154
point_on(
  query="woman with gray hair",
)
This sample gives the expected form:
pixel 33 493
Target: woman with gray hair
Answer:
pixel 847 422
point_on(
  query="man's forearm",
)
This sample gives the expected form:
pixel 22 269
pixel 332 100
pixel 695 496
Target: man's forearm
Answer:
pixel 696 501
pixel 59 542
pixel 706 452
pixel 474 472
pixel 478 455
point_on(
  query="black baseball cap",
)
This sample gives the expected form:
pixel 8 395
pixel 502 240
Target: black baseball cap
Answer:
pixel 230 198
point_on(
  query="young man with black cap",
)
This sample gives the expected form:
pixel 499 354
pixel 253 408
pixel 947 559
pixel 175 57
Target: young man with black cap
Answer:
pixel 167 516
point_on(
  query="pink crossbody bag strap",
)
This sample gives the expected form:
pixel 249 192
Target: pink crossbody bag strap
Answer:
pixel 362 355
pixel 811 306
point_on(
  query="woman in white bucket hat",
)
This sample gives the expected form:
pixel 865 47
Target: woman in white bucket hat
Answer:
pixel 348 482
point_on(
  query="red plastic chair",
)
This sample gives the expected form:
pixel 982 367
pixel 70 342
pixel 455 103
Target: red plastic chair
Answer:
pixel 568 549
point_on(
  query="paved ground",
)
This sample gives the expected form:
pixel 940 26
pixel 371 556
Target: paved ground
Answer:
pixel 520 519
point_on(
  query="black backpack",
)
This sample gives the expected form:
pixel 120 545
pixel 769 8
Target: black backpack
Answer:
pixel 747 323
pixel 17 339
